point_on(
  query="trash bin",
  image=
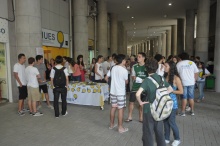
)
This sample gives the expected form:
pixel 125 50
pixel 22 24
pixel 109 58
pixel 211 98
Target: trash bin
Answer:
pixel 210 82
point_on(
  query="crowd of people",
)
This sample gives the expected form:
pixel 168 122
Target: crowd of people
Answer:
pixel 125 75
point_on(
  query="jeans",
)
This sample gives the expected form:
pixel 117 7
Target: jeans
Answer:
pixel 170 122
pixel 201 86
pixel 188 92
pixel 57 92
pixel 77 78
pixel 151 127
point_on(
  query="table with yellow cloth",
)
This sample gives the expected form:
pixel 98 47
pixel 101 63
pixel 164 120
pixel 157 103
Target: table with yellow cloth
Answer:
pixel 84 94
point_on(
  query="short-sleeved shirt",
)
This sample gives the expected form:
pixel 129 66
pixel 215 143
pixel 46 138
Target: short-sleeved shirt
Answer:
pixel 187 70
pixel 52 73
pixel 200 78
pixel 150 89
pixel 31 76
pixel 77 70
pixel 119 75
pixel 138 71
pixel 42 70
pixel 20 69
pixel 100 71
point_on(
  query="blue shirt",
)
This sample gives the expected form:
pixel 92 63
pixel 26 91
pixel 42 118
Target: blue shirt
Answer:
pixel 173 96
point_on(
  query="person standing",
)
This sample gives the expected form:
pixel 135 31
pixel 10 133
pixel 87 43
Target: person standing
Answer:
pixel 106 65
pixel 59 82
pixel 32 77
pixel 92 70
pixel 42 85
pixel 138 73
pixel 172 77
pixel 19 74
pixel 150 126
pixel 203 73
pixel 188 72
pixel 81 66
pixel 99 75
pixel 119 78
pixel 160 59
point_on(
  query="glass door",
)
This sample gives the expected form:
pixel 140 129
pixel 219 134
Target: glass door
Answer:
pixel 3 74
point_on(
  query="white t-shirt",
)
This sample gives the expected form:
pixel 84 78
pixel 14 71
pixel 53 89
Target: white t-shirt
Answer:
pixel 31 76
pixel 100 71
pixel 200 79
pixel 160 70
pixel 187 70
pixel 20 69
pixel 119 75
pixel 52 73
pixel 112 63
pixel 105 66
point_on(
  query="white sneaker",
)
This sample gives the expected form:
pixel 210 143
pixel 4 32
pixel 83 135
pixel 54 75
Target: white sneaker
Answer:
pixel 50 106
pixel 37 114
pixel 176 142
pixel 167 141
pixel 65 113
pixel 188 108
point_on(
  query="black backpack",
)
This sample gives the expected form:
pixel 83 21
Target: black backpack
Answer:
pixel 59 77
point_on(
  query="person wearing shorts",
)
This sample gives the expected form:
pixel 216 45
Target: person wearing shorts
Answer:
pixel 32 77
pixel 42 84
pixel 138 73
pixel 188 72
pixel 19 74
pixel 119 78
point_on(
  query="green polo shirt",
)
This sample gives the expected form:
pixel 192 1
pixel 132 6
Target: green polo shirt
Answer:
pixel 150 88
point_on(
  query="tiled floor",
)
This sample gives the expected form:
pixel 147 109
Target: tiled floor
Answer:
pixel 88 126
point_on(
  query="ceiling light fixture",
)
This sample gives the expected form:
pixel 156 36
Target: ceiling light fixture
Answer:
pixel 134 32
pixel 128 7
pixel 170 4
pixel 134 28
pixel 134 23
pixel 132 17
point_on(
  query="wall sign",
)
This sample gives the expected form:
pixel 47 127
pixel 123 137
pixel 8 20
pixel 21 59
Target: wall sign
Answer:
pixel 3 31
pixel 55 39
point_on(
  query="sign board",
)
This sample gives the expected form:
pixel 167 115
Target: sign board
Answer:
pixel 55 39
pixel 3 31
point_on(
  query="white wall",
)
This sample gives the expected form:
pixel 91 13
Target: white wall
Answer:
pixel 55 15
pixel 3 8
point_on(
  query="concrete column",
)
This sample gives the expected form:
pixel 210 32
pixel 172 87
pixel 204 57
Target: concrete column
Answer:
pixel 180 35
pixel 80 9
pixel 125 41
pixel 174 40
pixel 147 48
pixel 114 33
pixel 155 46
pixel 152 48
pixel 120 38
pixel 163 51
pixel 190 24
pixel 217 49
pixel 168 43
pixel 102 43
pixel 159 47
pixel 133 50
pixel 28 26
pixel 202 30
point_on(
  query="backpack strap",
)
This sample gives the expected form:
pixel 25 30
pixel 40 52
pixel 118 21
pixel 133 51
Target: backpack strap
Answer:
pixel 155 82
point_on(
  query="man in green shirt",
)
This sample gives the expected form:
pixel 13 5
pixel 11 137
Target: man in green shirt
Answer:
pixel 149 124
pixel 138 74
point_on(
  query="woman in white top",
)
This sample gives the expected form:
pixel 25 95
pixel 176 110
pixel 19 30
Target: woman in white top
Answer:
pixel 99 75
pixel 203 73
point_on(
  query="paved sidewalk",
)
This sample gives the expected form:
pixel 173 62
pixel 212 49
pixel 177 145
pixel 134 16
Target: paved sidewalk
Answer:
pixel 88 126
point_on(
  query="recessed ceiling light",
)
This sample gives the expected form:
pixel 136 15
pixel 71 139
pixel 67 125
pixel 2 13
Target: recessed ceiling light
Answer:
pixel 154 32
pixel 134 28
pixel 147 37
pixel 128 7
pixel 133 35
pixel 132 17
pixel 134 23
pixel 170 4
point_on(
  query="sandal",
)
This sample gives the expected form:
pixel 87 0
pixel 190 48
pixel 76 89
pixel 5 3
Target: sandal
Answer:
pixel 110 128
pixel 123 131
pixel 128 120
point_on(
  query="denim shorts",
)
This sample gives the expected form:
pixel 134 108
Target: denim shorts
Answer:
pixel 188 92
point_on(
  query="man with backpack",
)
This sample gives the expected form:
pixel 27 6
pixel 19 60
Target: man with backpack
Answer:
pixel 150 123
pixel 59 82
